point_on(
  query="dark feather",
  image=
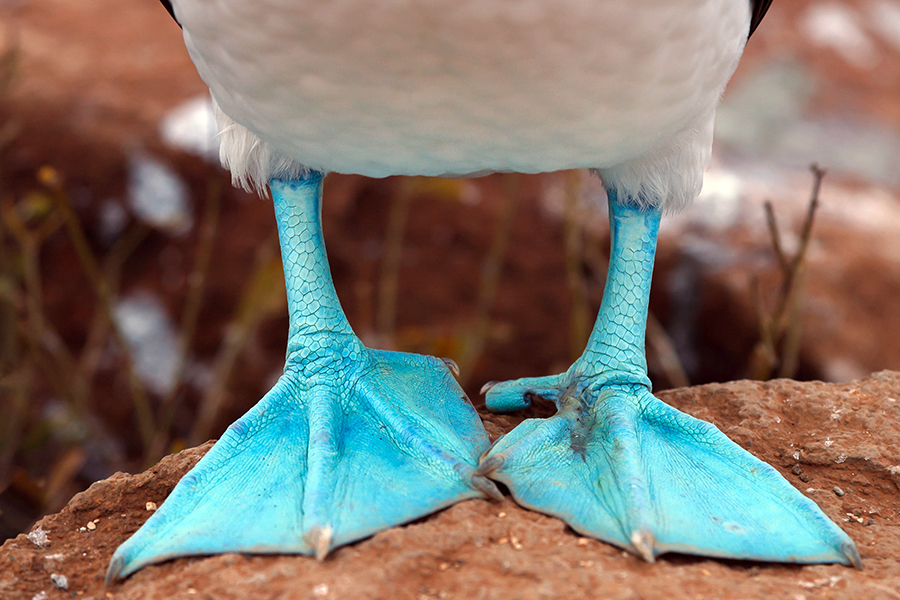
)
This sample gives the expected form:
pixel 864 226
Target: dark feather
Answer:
pixel 758 8
pixel 169 8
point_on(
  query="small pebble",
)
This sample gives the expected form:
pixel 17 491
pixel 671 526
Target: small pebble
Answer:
pixel 320 591
pixel 60 581
pixel 804 477
pixel 91 526
pixel 583 542
pixel 501 515
pixel 796 470
pixel 151 506
pixel 837 491
pixel 39 538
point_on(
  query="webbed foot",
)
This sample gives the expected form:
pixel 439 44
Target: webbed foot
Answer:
pixel 321 462
pixel 618 464
pixel 350 441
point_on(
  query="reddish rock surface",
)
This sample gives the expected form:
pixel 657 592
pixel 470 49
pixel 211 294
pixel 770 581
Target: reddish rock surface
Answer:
pixel 820 436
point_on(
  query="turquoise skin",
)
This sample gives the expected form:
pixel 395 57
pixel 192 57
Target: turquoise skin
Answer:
pixel 617 464
pixel 350 441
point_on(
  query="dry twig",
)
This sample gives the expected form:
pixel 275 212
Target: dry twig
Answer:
pixel 579 317
pixel 196 286
pixel 779 330
pixel 475 341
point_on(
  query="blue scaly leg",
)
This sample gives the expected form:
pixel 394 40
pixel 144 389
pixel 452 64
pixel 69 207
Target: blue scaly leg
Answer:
pixel 349 441
pixel 618 464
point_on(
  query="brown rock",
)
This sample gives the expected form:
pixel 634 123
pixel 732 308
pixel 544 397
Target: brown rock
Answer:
pixel 845 436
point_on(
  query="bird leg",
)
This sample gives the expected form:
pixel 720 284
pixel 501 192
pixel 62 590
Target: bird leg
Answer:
pixel 349 441
pixel 620 465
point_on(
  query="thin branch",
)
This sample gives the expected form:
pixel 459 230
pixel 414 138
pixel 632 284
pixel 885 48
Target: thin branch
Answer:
pixel 775 237
pixel 89 263
pixel 263 296
pixel 99 330
pixel 196 285
pixel 779 343
pixel 491 268
pixel 389 281
pixel 579 325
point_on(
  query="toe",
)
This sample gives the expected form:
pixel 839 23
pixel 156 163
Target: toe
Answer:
pixel 509 396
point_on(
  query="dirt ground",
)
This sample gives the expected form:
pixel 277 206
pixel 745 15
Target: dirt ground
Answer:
pixel 838 443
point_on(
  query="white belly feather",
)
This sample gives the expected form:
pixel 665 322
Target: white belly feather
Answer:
pixel 431 87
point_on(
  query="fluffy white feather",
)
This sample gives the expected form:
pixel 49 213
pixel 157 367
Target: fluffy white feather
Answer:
pixel 251 161
pixel 431 87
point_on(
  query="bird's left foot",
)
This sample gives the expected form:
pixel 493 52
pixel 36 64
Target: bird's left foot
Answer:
pixel 617 464
pixel 620 465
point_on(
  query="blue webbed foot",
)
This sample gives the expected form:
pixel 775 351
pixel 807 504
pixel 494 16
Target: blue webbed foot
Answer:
pixel 322 462
pixel 618 464
pixel 350 441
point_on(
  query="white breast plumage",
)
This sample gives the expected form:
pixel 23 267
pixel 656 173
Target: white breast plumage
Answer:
pixel 435 87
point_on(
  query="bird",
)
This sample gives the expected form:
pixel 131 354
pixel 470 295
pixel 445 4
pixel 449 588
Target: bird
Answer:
pixel 351 440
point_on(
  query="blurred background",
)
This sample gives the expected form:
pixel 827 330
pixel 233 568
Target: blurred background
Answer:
pixel 141 297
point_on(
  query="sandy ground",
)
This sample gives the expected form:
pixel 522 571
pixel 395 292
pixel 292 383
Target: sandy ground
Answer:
pixel 821 437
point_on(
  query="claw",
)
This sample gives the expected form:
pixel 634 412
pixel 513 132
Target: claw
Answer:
pixel 115 569
pixel 849 550
pixel 644 543
pixel 489 465
pixel 320 540
pixel 487 486
pixel 451 364
pixel 487 387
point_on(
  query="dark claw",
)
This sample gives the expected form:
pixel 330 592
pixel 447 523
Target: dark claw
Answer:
pixel 852 554
pixel 487 387
pixel 451 364
pixel 115 568
pixel 487 486
pixel 489 465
